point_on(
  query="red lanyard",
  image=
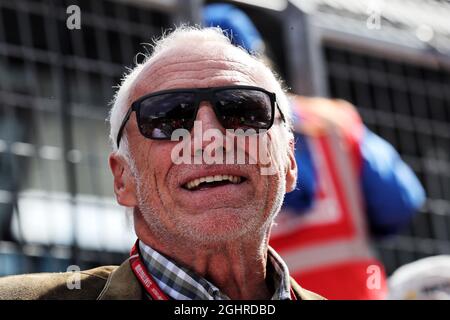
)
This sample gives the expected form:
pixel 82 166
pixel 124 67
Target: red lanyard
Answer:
pixel 144 277
pixel 293 296
pixel 147 280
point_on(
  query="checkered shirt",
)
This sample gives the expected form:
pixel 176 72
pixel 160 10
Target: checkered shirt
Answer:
pixel 180 283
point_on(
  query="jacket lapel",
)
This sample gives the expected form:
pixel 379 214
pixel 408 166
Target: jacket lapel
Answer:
pixel 122 285
pixel 303 294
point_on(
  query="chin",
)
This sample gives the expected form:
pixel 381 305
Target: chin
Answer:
pixel 222 227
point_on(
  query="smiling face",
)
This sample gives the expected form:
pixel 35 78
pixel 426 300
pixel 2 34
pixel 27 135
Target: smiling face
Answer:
pixel 199 203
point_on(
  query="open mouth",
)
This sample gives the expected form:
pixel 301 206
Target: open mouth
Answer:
pixel 212 182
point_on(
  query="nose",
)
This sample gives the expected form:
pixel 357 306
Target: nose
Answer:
pixel 208 117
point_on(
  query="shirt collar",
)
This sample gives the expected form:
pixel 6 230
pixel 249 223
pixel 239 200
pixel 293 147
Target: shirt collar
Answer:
pixel 181 283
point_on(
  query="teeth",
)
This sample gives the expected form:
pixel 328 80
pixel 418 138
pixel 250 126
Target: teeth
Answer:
pixel 194 183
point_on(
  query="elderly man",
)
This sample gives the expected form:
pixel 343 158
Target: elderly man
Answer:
pixel 202 227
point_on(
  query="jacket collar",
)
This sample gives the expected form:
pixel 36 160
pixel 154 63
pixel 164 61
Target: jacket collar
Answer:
pixel 122 284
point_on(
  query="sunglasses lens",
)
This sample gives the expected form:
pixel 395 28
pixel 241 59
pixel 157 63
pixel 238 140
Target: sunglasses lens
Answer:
pixel 159 116
pixel 244 109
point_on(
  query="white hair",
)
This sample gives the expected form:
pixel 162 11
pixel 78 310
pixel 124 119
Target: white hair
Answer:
pixel 183 35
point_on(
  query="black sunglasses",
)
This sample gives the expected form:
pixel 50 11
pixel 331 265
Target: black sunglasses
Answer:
pixel 160 113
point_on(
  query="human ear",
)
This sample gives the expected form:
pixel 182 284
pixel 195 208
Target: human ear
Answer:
pixel 291 170
pixel 124 182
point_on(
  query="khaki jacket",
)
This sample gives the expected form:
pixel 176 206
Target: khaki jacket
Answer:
pixel 102 283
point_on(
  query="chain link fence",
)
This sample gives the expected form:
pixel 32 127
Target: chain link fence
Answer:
pixel 56 201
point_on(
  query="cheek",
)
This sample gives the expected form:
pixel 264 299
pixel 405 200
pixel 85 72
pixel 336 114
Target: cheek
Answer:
pixel 152 162
pixel 276 178
pixel 274 151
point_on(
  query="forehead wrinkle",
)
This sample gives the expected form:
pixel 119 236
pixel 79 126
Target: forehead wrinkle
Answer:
pixel 206 82
pixel 198 78
pixel 168 63
pixel 175 59
pixel 151 80
pixel 205 51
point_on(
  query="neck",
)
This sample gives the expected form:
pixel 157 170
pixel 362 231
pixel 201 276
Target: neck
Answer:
pixel 237 268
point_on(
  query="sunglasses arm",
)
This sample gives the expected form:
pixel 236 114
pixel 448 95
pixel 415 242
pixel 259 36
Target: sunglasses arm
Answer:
pixel 281 113
pixel 122 126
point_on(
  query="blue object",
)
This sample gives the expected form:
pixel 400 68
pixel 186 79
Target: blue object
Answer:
pixel 238 26
pixel 391 191
pixel 301 199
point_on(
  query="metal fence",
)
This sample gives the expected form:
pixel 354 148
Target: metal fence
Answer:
pixel 408 105
pixel 55 86
pixel 400 83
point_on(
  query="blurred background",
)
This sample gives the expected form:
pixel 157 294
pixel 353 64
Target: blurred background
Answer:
pixel 389 58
